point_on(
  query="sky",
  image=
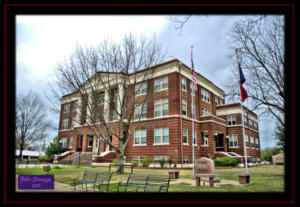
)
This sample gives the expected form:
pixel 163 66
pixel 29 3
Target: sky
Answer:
pixel 44 41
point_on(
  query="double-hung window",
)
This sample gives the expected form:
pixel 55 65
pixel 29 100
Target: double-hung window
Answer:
pixel 161 107
pixel 250 123
pixel 257 143
pixel 185 159
pixel 90 141
pixel 141 89
pixel 195 137
pixel 161 136
pixel 66 108
pixel 233 141
pixel 205 112
pixel 157 159
pixel 216 100
pixel 183 83
pixel 193 111
pixel 100 98
pixel 247 141
pixel 140 137
pixel 71 142
pixel 161 83
pixel 140 112
pixel 63 142
pixel 204 138
pixel 231 120
pixel 65 124
pixel 185 136
pixel 75 106
pixel 184 107
pixel 192 88
pixel 205 95
pixel 252 142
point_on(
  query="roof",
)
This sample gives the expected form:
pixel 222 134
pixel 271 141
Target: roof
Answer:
pixel 30 153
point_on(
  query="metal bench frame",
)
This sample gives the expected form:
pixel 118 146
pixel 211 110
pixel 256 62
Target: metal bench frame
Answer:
pixel 89 177
pixel 103 178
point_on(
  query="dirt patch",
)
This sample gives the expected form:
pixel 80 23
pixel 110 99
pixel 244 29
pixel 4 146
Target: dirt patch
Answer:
pixel 193 182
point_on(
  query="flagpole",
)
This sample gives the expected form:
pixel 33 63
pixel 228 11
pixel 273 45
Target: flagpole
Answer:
pixel 193 138
pixel 241 103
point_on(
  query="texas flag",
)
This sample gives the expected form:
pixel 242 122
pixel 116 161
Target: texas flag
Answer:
pixel 244 94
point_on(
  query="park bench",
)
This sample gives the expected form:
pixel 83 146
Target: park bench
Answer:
pixel 147 183
pixel 103 178
pixel 158 183
pixel 89 177
pixel 209 176
pixel 135 181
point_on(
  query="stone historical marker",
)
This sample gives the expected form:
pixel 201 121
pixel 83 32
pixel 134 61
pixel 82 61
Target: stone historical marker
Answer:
pixel 205 168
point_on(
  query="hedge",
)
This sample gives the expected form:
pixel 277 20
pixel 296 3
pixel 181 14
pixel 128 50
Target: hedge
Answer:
pixel 226 161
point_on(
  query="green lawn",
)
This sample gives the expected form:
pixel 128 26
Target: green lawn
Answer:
pixel 265 178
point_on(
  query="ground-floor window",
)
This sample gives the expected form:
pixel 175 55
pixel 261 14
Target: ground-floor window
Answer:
pixel 233 141
pixel 71 142
pixel 63 142
pixel 139 159
pixel 161 136
pixel 157 159
pixel 90 141
pixel 185 159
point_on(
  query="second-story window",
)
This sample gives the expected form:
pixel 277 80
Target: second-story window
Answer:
pixel 204 138
pixel 257 143
pixel 252 142
pixel 247 141
pixel 74 105
pixel 205 112
pixel 65 124
pixel 66 108
pixel 193 111
pixel 255 124
pixel 250 123
pixel 205 95
pixel 141 89
pixel 216 100
pixel 185 136
pixel 183 83
pixel 161 83
pixel 231 120
pixel 140 112
pixel 192 87
pixel 184 107
pixel 161 107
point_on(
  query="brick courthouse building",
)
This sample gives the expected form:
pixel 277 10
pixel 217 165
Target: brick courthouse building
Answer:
pixel 166 124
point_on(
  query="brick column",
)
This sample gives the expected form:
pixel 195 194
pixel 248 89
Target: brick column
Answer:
pixel 84 143
pixel 74 145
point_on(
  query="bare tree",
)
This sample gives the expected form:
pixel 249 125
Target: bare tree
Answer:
pixel 108 79
pixel 30 121
pixel 260 42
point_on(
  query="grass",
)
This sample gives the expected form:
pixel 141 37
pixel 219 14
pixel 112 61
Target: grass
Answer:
pixel 265 178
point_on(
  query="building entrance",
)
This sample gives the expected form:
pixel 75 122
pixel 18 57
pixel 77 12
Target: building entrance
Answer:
pixel 219 142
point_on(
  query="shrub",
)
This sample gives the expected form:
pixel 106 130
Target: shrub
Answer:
pixel 226 161
pixel 135 163
pixel 116 161
pixel 146 162
pixel 162 162
pixel 56 167
pixel 45 158
pixel 55 148
pixel 65 162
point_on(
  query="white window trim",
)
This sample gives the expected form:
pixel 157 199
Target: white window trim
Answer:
pixel 237 140
pixel 161 107
pixel 63 142
pixel 203 145
pixel 69 106
pixel 185 107
pixel 192 87
pixel 63 123
pixel 161 137
pixel 196 144
pixel 193 110
pixel 88 138
pixel 187 137
pixel 141 88
pixel 140 138
pixel 140 107
pixel 252 142
pixel 231 121
pixel 205 92
pixel 71 145
pixel 161 89
pixel 182 78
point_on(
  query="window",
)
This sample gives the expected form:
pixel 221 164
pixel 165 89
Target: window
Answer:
pixel 205 112
pixel 90 141
pixel 100 98
pixel 63 142
pixel 139 159
pixel 192 87
pixel 185 159
pixel 73 121
pixel 140 137
pixel 252 142
pixel 193 111
pixel 71 142
pixel 205 95
pixel 65 124
pixel 184 110
pixel 233 142
pixel 183 84
pixel 216 100
pixel 140 112
pixel 195 137
pixel 161 107
pixel 250 123
pixel 75 106
pixel 257 143
pixel 141 89
pixel 245 121
pixel 247 141
pixel 161 136
pixel 231 120
pixel 204 138
pixel 185 136
pixel 67 108
pixel 161 83
pixel 255 124
pixel 157 159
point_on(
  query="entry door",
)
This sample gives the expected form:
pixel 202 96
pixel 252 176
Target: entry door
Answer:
pixel 219 142
pixel 79 143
